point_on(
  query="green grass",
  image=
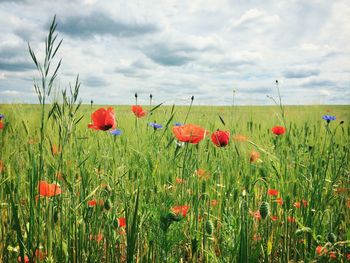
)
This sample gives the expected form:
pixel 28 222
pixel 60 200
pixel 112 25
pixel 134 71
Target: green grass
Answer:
pixel 310 162
pixel 135 178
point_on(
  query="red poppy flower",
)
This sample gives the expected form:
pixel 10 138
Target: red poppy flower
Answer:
pixel 103 119
pixel 182 209
pixel 332 255
pixel 240 138
pixel 257 215
pixel 138 111
pixel 39 254
pixel 320 250
pixel 291 219
pixel 274 218
pixel 2 166
pixel 279 201
pixel 220 138
pixel 122 222
pixel 305 203
pixel 189 133
pixel 214 202
pixel 272 192
pixel 254 156
pixel 49 190
pixel 1 125
pixel 26 259
pixel 297 205
pixel 180 180
pixel 202 174
pixel 278 130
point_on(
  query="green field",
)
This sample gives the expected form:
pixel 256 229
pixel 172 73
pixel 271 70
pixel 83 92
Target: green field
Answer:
pixel 142 175
pixel 73 194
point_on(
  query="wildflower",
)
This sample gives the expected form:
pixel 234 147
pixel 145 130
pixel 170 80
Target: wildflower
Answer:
pixel 55 150
pixel 202 174
pixel 49 190
pixel 189 133
pixel 257 215
pixel 297 205
pixel 155 126
pixel 121 222
pixel 272 192
pixel 291 219
pixel 320 250
pixel 220 138
pixel 178 124
pixel 240 138
pixel 2 116
pixel 214 202
pixel 180 180
pixel 94 202
pixel 103 119
pixel 305 203
pixel 98 238
pixel 328 118
pixel 1 125
pixel 39 254
pixel 254 156
pixel 2 166
pixel 256 237
pixel 138 111
pixel 26 259
pixel 182 209
pixel 279 201
pixel 278 130
pixel 273 218
pixel 116 132
pixel 332 255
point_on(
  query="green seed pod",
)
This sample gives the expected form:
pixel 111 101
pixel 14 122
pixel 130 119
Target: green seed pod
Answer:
pixel 209 227
pixel 332 237
pixel 299 232
pixel 55 216
pixel 108 204
pixel 264 209
pixel 194 245
pixel 172 217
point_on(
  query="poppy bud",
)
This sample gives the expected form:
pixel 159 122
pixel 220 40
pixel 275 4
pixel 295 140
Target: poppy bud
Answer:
pixel 192 98
pixel 209 227
pixel 135 95
pixel 276 81
pixel 264 209
pixel 150 96
pixel 332 237
pixel 92 102
pixel 108 204
pixel 341 122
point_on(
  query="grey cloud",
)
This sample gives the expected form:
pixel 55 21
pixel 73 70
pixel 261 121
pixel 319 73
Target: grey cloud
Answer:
pixel 101 24
pixel 16 65
pixel 300 73
pixel 319 83
pixel 94 81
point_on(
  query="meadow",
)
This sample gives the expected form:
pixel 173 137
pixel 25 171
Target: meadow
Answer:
pixel 133 189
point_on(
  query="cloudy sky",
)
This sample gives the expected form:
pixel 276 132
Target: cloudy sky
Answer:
pixel 178 48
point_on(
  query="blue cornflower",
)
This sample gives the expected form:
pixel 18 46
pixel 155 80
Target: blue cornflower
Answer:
pixel 178 124
pixel 156 126
pixel 2 116
pixel 328 118
pixel 116 132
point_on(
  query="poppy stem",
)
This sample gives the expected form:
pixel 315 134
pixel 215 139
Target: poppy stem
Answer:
pixel 189 109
